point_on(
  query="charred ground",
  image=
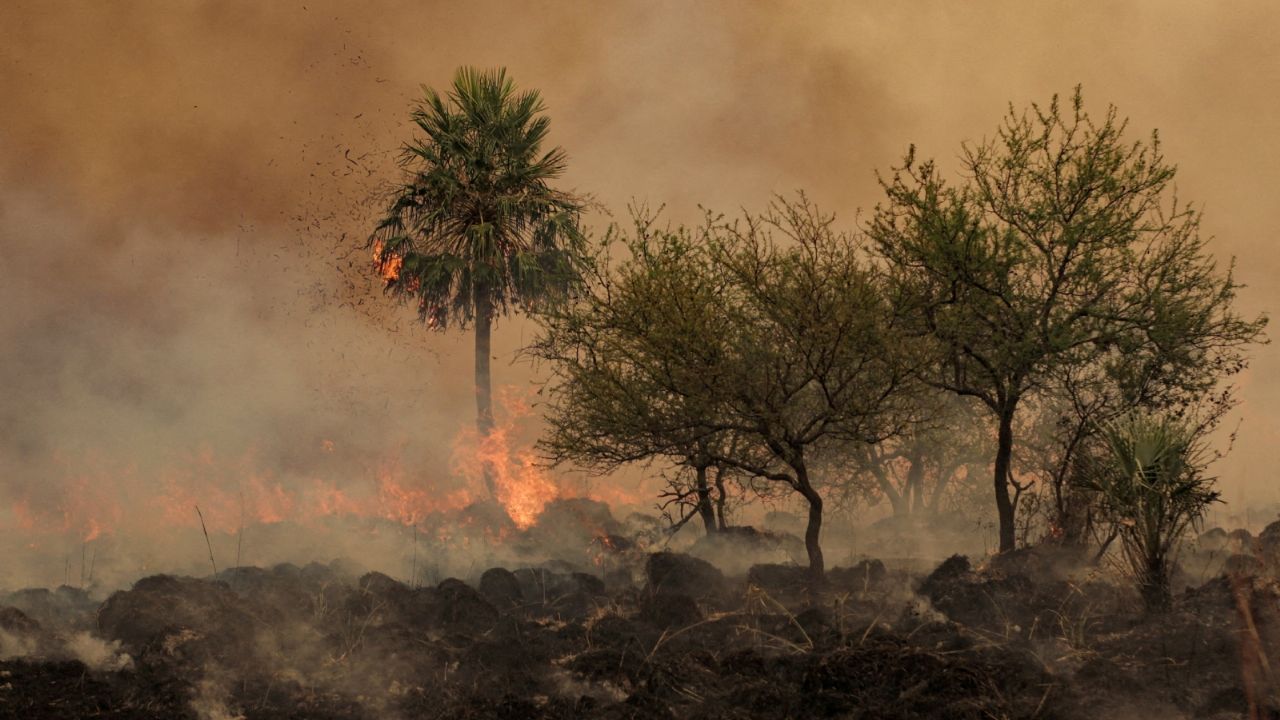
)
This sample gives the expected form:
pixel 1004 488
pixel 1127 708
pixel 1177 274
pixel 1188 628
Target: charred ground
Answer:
pixel 641 634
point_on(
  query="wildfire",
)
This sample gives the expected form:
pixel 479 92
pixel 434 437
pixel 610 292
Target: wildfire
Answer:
pixel 522 486
pixel 93 497
pixel 83 505
pixel 407 504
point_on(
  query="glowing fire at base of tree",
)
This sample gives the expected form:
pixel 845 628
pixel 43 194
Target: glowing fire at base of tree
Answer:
pixel 522 484
pixel 96 496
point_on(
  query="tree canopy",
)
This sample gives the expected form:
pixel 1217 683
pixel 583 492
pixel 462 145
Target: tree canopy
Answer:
pixel 1063 247
pixel 754 344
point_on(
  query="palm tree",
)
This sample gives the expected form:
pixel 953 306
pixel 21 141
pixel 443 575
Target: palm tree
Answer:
pixel 475 230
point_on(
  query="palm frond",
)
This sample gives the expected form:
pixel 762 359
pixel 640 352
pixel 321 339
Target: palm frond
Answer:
pixel 1152 487
pixel 475 219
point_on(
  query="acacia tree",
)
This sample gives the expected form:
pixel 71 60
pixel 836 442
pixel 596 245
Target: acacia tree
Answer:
pixel 1169 368
pixel 1063 245
pixel 475 229
pixel 914 470
pixel 816 361
pixel 634 358
pixel 761 354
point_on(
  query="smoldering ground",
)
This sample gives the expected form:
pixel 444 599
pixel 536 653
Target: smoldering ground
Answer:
pixel 662 635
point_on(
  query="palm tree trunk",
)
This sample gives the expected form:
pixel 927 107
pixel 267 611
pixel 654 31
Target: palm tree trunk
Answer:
pixel 484 396
pixel 1154 584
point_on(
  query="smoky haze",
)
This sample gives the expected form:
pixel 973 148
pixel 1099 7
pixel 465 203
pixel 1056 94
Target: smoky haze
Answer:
pixel 185 189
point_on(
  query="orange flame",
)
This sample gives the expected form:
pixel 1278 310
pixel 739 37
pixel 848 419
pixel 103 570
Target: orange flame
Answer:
pixel 91 497
pixel 82 505
pixel 386 264
pixel 521 485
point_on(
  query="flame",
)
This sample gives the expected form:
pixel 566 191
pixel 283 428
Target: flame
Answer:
pixel 81 505
pixel 387 264
pixel 408 504
pixel 229 494
pixel 89 497
pixel 521 483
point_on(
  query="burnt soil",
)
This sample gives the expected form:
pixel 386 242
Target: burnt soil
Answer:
pixel 669 636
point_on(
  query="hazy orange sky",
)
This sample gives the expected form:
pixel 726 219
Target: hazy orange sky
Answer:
pixel 184 185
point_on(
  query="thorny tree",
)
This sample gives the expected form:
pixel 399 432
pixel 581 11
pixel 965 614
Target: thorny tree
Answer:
pixel 634 358
pixel 475 229
pixel 915 470
pixel 1063 247
pixel 1183 374
pixel 755 353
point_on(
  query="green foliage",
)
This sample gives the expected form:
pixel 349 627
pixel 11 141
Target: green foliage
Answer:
pixel 1062 256
pixel 475 227
pixel 633 351
pixel 753 345
pixel 1150 484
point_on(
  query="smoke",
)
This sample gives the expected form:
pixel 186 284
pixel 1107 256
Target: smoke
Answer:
pixel 15 646
pixel 98 654
pixel 185 188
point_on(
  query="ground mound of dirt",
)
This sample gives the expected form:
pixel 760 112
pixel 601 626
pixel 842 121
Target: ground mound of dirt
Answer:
pixel 668 573
pixel 185 617
pixel 735 549
pixel 64 607
pixel 861 576
pixel 552 642
pixel 459 608
pixel 777 577
pixel 500 587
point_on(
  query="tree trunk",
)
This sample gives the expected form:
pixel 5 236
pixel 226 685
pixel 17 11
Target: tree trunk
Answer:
pixel 915 482
pixel 704 500
pixel 1072 521
pixel 890 492
pixel 720 498
pixel 1154 584
pixel 940 487
pixel 484 397
pixel 1004 460
pixel 813 531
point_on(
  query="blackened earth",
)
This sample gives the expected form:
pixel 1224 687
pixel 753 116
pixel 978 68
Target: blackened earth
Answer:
pixel 667 636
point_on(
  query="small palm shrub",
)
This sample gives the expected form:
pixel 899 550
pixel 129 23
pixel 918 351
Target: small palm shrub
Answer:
pixel 1149 482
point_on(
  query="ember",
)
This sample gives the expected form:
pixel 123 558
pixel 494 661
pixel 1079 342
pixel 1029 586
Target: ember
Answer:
pixel 386 264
